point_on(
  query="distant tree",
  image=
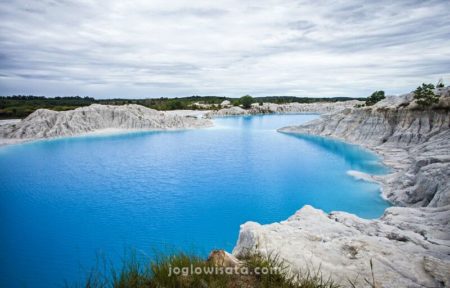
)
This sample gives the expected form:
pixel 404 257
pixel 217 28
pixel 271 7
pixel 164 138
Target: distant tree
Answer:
pixel 425 96
pixel 246 101
pixel 440 83
pixel 375 97
pixel 175 105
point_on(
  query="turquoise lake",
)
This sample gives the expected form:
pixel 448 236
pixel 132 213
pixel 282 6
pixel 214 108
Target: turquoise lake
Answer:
pixel 66 201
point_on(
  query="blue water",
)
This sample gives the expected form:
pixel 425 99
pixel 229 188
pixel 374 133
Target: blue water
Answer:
pixel 62 202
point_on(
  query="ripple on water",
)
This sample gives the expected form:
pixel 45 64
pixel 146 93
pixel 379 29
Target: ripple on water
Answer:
pixel 66 200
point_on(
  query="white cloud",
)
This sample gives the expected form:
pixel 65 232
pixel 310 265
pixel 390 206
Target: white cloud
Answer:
pixel 178 48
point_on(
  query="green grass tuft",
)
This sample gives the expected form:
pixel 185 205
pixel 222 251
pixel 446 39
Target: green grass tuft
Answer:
pixel 135 273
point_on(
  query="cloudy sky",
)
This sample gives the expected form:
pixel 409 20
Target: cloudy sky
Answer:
pixel 154 48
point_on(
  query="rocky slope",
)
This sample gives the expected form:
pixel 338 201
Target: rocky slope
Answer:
pixel 45 123
pixel 271 108
pixel 409 246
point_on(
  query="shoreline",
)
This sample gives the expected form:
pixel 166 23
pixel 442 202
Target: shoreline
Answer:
pixel 409 236
pixel 286 108
pixel 97 133
pixel 192 119
pixel 97 120
pixel 359 175
pixel 117 131
pixel 409 243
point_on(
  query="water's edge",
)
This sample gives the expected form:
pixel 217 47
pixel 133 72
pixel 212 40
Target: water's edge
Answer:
pixel 264 132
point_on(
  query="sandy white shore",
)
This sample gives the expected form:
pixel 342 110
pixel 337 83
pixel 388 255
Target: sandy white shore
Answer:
pixel 97 120
pixel 106 119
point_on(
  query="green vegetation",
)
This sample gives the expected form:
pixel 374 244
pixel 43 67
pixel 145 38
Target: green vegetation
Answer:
pixel 375 97
pixel 246 101
pixel 425 96
pixel 161 272
pixel 163 104
pixel 22 106
pixel 294 99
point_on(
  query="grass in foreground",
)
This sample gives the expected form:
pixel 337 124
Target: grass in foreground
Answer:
pixel 254 271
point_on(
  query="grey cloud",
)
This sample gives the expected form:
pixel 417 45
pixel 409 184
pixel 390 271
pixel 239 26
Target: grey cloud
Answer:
pixel 199 12
pixel 287 47
pixel 159 84
pixel 301 25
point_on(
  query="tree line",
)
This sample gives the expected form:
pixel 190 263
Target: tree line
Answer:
pixel 20 106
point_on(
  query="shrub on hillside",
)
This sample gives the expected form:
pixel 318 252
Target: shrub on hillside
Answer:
pixel 375 97
pixel 425 96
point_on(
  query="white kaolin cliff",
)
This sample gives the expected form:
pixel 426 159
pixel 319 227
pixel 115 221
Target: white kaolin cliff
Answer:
pixel 409 245
pixel 45 123
pixel 272 108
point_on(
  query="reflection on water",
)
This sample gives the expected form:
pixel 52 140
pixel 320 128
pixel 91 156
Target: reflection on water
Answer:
pixel 357 157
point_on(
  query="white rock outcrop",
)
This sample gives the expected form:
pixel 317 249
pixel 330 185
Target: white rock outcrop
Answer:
pixel 405 250
pixel 409 245
pixel 45 123
pixel 9 121
pixel 271 108
pixel 225 104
